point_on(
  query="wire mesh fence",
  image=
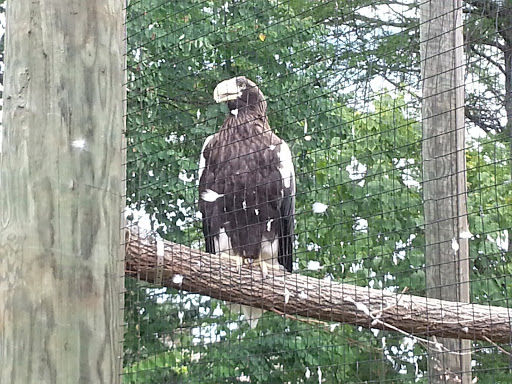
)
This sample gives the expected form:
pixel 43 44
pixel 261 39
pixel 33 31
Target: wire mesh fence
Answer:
pixel 343 87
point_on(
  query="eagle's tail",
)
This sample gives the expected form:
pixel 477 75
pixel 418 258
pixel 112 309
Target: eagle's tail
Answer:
pixel 252 315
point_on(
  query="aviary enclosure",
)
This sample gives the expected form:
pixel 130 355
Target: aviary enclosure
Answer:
pixel 398 116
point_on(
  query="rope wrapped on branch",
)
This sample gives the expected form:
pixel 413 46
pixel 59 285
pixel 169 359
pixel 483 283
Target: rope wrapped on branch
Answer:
pixel 184 268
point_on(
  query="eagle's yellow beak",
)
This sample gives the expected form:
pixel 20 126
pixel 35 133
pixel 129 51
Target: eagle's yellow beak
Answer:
pixel 227 90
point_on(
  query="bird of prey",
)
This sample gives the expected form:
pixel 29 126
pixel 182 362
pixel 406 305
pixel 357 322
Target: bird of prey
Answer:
pixel 247 185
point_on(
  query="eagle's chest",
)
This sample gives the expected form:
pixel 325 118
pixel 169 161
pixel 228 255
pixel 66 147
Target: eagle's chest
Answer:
pixel 246 160
pixel 245 173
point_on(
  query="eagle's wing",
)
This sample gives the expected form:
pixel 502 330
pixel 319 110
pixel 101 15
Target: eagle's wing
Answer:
pixel 287 208
pixel 208 238
pixel 202 175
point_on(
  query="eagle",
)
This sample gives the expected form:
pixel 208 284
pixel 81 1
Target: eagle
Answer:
pixel 247 186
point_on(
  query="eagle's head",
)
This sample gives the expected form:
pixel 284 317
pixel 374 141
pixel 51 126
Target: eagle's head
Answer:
pixel 241 94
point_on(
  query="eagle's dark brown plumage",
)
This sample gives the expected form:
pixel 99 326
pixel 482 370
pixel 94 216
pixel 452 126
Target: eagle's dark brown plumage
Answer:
pixel 247 181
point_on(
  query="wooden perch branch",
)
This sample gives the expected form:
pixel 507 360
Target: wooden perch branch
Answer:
pixel 198 272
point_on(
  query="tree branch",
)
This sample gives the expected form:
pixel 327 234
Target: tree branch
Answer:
pixel 488 8
pixel 484 124
pixel 483 41
pixel 489 59
pixel 198 272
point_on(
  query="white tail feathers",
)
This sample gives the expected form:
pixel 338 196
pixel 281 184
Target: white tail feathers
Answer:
pixel 252 315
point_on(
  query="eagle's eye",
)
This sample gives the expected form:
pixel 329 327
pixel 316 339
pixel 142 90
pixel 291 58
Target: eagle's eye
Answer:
pixel 242 86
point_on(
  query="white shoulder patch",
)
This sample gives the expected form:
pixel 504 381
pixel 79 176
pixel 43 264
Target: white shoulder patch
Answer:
pixel 286 165
pixel 202 160
pixel 210 196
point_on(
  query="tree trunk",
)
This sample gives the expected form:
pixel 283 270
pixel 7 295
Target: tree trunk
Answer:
pixel 61 192
pixel 444 176
pixel 194 271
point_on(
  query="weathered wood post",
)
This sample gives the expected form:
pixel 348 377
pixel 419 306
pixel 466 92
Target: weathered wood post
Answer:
pixel 444 176
pixel 61 192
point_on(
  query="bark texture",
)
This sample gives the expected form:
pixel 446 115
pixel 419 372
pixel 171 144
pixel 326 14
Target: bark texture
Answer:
pixel 444 175
pixel 197 272
pixel 61 183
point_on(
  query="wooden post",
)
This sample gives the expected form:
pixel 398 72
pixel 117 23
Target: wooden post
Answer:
pixel 61 187
pixel 444 175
